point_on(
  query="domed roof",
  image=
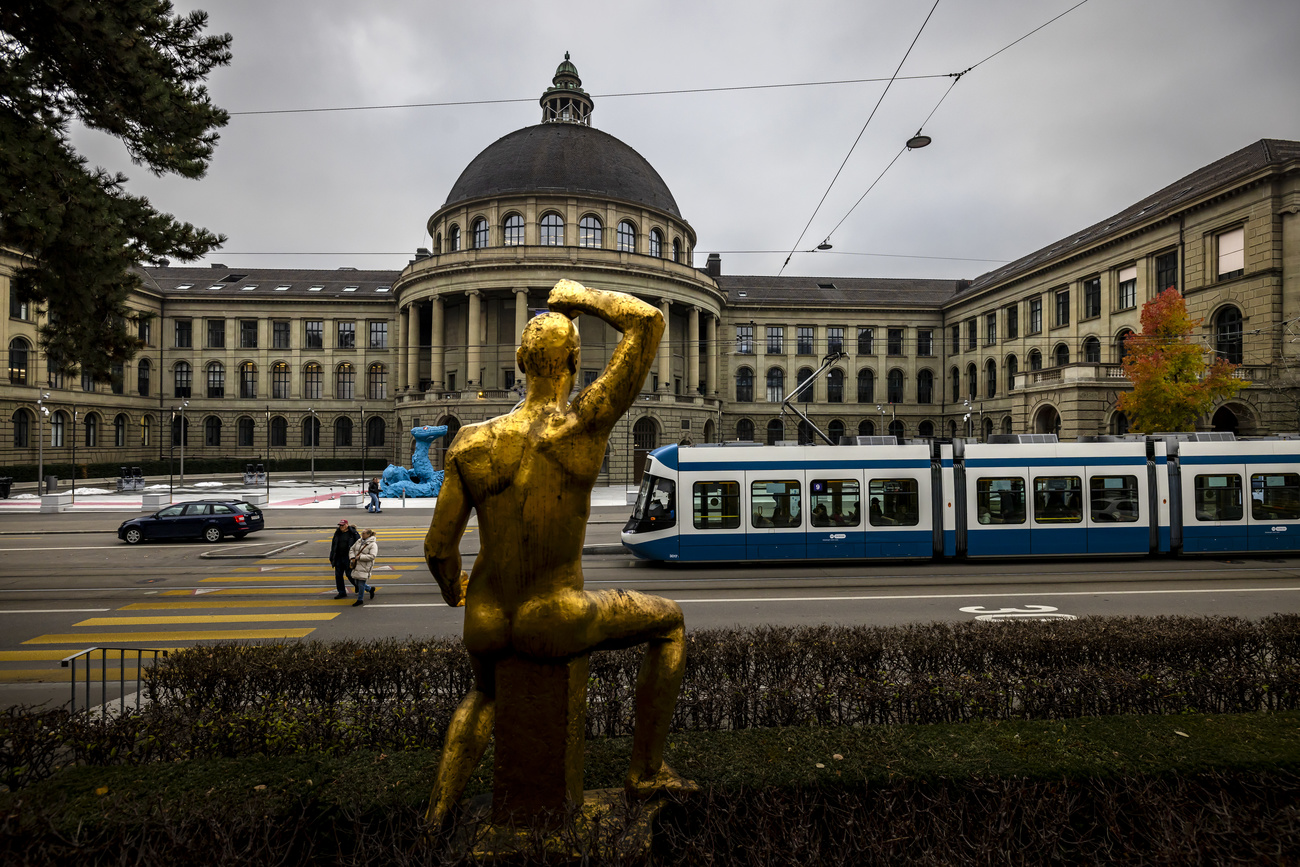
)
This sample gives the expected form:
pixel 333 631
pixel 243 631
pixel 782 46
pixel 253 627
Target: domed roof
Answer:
pixel 563 158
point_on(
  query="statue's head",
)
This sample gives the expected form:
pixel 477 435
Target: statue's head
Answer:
pixel 550 348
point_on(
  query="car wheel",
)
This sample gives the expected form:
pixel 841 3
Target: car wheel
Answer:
pixel 133 536
pixel 212 534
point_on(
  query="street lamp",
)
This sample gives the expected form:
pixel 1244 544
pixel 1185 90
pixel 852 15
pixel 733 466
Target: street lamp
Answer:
pixel 365 441
pixel 74 454
pixel 41 413
pixel 315 435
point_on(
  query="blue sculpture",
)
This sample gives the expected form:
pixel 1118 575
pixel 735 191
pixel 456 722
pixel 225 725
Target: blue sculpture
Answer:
pixel 422 480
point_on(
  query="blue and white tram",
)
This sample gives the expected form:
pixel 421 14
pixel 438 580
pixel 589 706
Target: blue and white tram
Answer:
pixel 1023 496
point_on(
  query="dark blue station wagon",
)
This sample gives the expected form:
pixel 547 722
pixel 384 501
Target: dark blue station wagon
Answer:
pixel 196 519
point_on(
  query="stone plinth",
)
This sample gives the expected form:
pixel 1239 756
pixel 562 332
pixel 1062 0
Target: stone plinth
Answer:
pixel 60 502
pixel 541 712
pixel 351 501
pixel 256 499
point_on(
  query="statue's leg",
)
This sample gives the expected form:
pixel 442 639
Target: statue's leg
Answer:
pixel 467 738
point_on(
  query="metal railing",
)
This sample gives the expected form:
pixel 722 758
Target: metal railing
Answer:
pixel 104 653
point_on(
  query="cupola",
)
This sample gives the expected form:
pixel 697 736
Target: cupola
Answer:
pixel 565 101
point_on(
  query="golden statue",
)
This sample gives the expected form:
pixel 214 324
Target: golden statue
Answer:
pixel 529 476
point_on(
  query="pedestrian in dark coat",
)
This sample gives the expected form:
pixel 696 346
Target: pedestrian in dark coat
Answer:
pixel 342 542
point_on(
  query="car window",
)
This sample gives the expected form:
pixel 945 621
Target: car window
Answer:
pixel 197 509
pixel 220 509
pixel 171 512
pixel 244 507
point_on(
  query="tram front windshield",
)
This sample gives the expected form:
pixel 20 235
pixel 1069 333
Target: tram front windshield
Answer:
pixel 656 505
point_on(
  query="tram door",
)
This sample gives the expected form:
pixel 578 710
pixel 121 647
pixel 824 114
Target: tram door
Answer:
pixel 776 515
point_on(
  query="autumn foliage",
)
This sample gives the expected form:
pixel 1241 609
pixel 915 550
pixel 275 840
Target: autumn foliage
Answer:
pixel 1172 384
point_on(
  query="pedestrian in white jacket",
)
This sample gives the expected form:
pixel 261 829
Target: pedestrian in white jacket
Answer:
pixel 362 555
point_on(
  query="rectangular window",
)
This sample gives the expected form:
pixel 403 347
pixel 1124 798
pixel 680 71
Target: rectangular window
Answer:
pixel 775 504
pixel 1126 298
pixel 1113 498
pixel 954 339
pixel 245 432
pixel 972 334
pixel 834 340
pixel 184 334
pixel 216 333
pixel 117 377
pixel 1218 497
pixel 775 340
pixel 716 505
pixel 280 334
pixel 347 335
pixel 1035 315
pixel 18 309
pixel 248 334
pixel 378 335
pixel 865 338
pixel 1058 499
pixel 1091 297
pixel 1167 271
pixel 315 334
pixel 894 346
pixel 925 342
pixel 1275 497
pixel 1000 501
pixel 1232 253
pixel 990 329
pixel 745 339
pixel 589 376
pixel 1013 321
pixel 1062 308
pixel 834 503
pixel 804 340
pixel 145 332
pixel 894 503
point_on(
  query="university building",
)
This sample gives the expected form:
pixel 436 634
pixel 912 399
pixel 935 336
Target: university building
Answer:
pixel 275 363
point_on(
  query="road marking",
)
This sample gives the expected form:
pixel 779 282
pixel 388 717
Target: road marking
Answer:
pixel 988 595
pixel 77 548
pixel 281 578
pixel 149 637
pixel 53 610
pixel 232 603
pixel 178 619
pixel 319 568
pixel 247 591
pixel 295 561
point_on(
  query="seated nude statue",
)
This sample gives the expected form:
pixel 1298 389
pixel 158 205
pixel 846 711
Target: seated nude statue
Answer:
pixel 529 476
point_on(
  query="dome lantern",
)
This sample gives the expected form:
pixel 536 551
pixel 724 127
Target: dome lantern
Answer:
pixel 565 101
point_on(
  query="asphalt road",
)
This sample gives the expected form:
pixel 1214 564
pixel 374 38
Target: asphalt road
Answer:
pixel 69 584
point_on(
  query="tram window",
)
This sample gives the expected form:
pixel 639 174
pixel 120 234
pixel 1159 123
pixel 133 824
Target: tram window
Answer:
pixel 1275 497
pixel 656 506
pixel 834 503
pixel 717 505
pixel 1218 498
pixel 1113 498
pixel 894 503
pixel 1000 501
pixel 1058 499
pixel 775 504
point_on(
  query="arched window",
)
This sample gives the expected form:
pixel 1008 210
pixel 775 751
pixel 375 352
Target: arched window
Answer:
pixel 1119 424
pixel 512 231
pixel 866 428
pixel 180 429
pixel 453 239
pixel 775 431
pixel 552 230
pixel 926 430
pixel 1013 367
pixel 22 429
pixel 183 378
pixel 835 430
pixel 952 430
pixel 1122 344
pixel 925 387
pixel 1062 355
pixel 374 431
pixel 1006 425
pixel 479 234
pixel 58 425
pixel 895 386
pixel 626 237
pixel 988 428
pixel 311 431
pixel 119 430
pixel 19 351
pixel 1035 360
pixel 804 434
pixel 216 379
pixel 896 428
pixel 1227 335
pixel 212 432
pixel 345 379
pixel 972 382
pixel 804 374
pixel 146 430
pixel 280 380
pixel 866 386
pixel 244 431
pixel 1092 350
pixel 589 231
pixel 343 432
pixel 775 385
pixel 954 376
pixel 744 385
pixel 677 249
pixel 279 432
pixel 91 424
pixel 142 374
pixel 990 378
pixel 745 431
pixel 656 243
pixel 377 382
pixel 248 380
pixel 835 386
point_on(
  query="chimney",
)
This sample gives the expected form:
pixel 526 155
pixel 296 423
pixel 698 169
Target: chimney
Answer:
pixel 422 253
pixel 713 267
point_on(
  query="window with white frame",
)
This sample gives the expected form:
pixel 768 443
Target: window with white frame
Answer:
pixel 1232 253
pixel 1126 296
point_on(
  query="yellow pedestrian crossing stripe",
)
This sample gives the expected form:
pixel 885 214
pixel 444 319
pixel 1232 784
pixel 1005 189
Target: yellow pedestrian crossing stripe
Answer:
pixel 178 619
pixel 233 603
pixel 188 635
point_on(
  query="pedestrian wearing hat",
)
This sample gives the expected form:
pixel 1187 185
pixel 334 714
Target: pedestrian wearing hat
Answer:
pixel 344 536
pixel 363 554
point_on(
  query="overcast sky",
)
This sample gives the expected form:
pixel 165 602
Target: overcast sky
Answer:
pixel 1093 112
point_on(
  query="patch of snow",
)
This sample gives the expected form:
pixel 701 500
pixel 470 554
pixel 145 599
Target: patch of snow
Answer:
pixel 158 487
pixel 208 485
pixel 91 491
pixel 25 497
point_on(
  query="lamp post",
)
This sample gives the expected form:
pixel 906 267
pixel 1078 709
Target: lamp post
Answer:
pixel 74 454
pixel 41 413
pixel 267 467
pixel 184 403
pixel 315 435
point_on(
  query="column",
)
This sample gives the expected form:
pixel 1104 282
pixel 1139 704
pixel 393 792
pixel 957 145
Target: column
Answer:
pixel 399 346
pixel 437 363
pixel 711 369
pixel 693 351
pixel 473 339
pixel 665 355
pixel 413 346
pixel 521 321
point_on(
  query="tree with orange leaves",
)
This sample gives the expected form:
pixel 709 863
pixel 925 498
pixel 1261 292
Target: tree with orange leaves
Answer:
pixel 1172 384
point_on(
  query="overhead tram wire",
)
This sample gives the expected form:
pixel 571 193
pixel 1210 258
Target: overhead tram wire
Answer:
pixel 407 253
pixel 861 132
